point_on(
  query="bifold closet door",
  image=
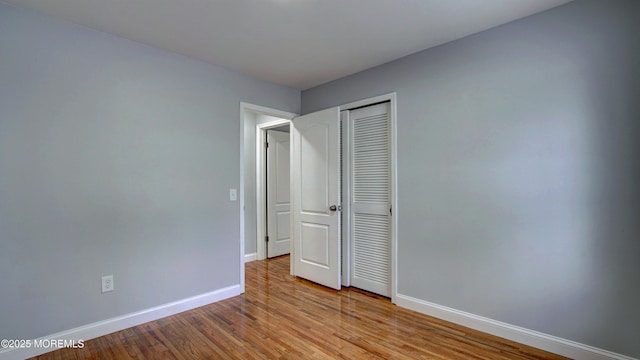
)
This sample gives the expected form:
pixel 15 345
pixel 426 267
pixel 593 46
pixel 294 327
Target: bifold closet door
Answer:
pixel 370 205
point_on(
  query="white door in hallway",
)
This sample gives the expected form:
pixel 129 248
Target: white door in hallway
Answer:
pixel 278 194
pixel 315 181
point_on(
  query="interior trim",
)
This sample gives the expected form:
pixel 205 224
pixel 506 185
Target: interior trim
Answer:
pixel 564 347
pixel 118 323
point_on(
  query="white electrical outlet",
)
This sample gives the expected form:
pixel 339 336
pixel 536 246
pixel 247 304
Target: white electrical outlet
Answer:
pixel 107 283
pixel 233 195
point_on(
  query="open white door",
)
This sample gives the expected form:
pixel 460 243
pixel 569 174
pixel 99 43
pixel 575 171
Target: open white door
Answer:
pixel 278 194
pixel 315 182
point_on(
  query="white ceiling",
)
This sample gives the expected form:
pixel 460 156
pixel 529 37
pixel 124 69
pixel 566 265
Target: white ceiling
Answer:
pixel 299 43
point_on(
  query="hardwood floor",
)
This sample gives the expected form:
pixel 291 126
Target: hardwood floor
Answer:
pixel 281 317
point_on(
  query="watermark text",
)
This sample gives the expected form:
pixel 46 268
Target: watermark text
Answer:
pixel 41 344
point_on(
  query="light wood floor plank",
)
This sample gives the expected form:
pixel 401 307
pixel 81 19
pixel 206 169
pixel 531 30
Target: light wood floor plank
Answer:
pixel 281 317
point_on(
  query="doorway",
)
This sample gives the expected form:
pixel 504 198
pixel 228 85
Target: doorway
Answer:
pixel 277 194
pixel 254 119
pixel 259 123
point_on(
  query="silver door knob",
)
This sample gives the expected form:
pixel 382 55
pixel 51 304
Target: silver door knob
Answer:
pixel 333 208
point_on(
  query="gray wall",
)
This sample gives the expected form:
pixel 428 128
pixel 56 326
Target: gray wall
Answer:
pixel 115 158
pixel 518 171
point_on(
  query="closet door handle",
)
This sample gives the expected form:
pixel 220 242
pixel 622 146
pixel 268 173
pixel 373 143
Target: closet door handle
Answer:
pixel 333 208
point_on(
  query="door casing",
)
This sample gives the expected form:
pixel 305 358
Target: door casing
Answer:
pixel 244 108
pixel 261 179
pixel 346 248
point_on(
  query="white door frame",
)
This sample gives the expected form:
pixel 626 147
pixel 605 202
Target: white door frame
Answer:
pixel 346 265
pixel 261 179
pixel 244 107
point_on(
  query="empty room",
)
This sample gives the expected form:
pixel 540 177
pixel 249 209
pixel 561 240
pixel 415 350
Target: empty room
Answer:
pixel 320 179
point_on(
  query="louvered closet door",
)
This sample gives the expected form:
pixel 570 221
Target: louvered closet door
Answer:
pixel 370 199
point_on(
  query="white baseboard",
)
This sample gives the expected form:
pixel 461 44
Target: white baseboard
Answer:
pixel 109 326
pixel 568 348
pixel 250 257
